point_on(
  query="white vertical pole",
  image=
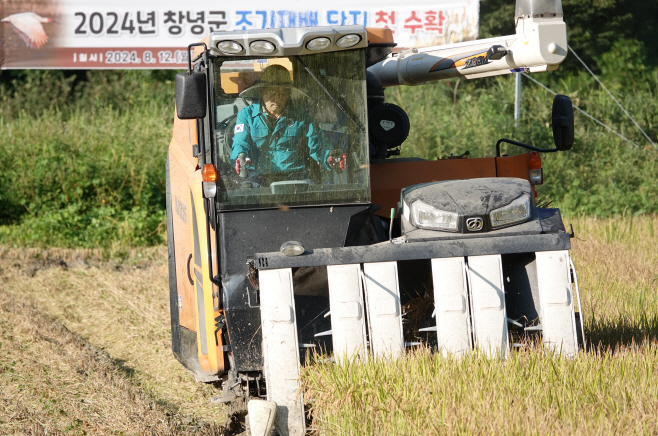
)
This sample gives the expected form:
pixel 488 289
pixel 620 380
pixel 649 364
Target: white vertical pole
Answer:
pixel 517 101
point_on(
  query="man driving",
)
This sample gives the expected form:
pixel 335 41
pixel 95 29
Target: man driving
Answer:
pixel 275 134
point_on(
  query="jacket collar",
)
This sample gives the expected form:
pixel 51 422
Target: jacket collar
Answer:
pixel 258 109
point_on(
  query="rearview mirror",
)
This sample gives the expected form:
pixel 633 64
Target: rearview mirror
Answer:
pixel 563 129
pixel 191 95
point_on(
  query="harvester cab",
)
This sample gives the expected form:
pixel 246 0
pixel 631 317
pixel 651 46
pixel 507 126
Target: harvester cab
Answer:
pixel 291 229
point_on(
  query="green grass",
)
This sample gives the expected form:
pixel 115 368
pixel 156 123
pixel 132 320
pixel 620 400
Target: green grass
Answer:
pixel 609 389
pixel 601 176
pixel 90 175
pixel 82 161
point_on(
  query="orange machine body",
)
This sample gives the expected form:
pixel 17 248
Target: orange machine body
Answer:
pixel 388 178
pixel 198 333
pixel 194 288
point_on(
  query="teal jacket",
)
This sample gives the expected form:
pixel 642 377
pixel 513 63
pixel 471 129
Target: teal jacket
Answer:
pixel 284 148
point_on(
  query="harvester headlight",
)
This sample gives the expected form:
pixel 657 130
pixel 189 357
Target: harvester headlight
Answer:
pixel 229 47
pixel 262 47
pixel 425 216
pixel 318 44
pixel 292 248
pixel 348 41
pixel 516 212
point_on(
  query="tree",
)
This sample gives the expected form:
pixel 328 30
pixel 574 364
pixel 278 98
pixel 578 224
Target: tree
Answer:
pixel 594 26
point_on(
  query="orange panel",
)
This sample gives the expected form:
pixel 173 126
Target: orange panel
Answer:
pixel 378 35
pixel 185 177
pixel 200 271
pixel 389 178
pixel 235 83
pixel 284 62
pixel 219 354
pixel 181 166
pixel 196 51
pixel 513 166
pixel 183 138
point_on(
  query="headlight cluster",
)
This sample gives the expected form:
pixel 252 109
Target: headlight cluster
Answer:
pixel 428 217
pixel 424 216
pixel 230 47
pixel 516 212
pixel 322 42
pixel 318 44
pixel 262 47
pixel 267 47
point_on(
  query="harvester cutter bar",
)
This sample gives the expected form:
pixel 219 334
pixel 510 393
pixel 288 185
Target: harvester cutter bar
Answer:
pixel 485 275
pixel 366 313
pixel 453 324
pixel 348 325
pixel 385 251
pixel 281 350
pixel 556 299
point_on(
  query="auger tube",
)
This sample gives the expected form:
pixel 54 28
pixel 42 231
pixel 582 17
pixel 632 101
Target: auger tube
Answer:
pixel 540 44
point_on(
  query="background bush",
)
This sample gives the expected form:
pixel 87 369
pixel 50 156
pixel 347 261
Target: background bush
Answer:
pixel 602 175
pixel 82 160
pixel 83 152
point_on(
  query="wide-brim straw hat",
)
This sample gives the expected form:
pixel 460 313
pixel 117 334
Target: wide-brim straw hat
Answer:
pixel 274 76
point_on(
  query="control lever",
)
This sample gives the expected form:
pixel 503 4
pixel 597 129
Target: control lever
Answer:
pixel 242 162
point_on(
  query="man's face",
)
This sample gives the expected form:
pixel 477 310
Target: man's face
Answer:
pixel 275 99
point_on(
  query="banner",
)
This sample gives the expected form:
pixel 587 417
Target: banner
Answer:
pixel 85 34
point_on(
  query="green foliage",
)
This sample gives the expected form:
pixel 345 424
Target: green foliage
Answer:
pixel 82 160
pixel 86 167
pixel 594 26
pixel 79 226
pixel 602 175
pixel 624 63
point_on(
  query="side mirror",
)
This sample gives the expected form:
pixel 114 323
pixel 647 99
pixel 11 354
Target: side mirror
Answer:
pixel 191 95
pixel 563 130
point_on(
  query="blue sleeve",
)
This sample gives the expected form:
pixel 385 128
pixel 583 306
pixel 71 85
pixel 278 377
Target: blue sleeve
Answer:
pixel 242 142
pixel 318 145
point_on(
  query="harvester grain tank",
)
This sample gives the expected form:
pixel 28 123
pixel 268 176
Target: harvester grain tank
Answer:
pixel 280 232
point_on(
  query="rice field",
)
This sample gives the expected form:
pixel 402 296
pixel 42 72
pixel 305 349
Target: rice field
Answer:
pixel 612 388
pixel 84 349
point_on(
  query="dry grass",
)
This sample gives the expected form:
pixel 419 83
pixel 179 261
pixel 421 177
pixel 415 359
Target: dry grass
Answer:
pixel 617 262
pixel 613 389
pixel 85 349
pixel 53 305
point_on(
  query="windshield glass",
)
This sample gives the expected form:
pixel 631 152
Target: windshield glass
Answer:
pixel 291 131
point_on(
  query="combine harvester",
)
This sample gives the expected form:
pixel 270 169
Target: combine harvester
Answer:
pixel 298 232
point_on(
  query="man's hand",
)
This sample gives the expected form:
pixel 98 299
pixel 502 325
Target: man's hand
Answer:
pixel 337 160
pixel 241 165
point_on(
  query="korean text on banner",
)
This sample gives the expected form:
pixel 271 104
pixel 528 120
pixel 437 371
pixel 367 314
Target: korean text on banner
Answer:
pixel 85 34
